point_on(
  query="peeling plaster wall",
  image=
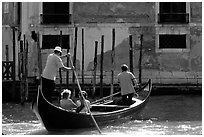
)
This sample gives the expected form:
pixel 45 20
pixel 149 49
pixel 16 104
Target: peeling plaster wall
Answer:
pixel 7 40
pixel 128 18
pixel 9 20
pixel 9 13
pixel 196 49
pixel 196 12
pixel 115 12
pixel 94 34
pixel 141 19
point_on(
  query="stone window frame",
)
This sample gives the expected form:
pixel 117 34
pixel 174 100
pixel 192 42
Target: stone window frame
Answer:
pixel 70 11
pixel 172 29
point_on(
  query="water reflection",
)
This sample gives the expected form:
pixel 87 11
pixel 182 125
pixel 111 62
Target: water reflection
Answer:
pixel 163 115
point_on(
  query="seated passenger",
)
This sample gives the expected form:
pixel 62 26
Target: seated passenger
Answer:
pixel 66 101
pixel 81 104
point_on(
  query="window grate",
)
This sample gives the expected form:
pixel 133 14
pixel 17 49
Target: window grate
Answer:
pixel 172 41
pixel 173 12
pixel 173 18
pixel 51 41
pixel 55 13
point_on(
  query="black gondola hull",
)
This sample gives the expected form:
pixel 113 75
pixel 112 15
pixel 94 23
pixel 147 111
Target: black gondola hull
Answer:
pixel 56 118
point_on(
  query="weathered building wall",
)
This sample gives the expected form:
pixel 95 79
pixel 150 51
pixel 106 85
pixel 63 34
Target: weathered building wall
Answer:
pixel 173 66
pixel 126 18
pixel 113 12
pixel 7 40
pixel 10 19
pixel 131 18
pixel 7 21
pixel 9 13
pixel 196 12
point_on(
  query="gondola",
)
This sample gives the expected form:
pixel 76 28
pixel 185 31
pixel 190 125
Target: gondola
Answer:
pixel 55 118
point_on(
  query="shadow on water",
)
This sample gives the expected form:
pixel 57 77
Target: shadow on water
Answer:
pixel 84 131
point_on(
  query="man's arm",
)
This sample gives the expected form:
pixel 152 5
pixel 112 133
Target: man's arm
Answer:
pixel 61 65
pixel 67 68
pixel 134 80
pixel 66 55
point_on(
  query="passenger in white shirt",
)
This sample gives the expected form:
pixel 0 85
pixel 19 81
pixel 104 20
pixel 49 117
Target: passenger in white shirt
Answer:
pixel 54 62
pixel 126 80
pixel 66 102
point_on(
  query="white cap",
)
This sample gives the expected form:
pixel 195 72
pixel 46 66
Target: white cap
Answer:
pixel 57 48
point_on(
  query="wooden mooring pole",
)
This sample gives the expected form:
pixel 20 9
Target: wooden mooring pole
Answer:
pixel 101 67
pixel 25 69
pixel 131 53
pixel 140 60
pixel 7 53
pixel 14 62
pixel 82 73
pixel 112 61
pixel 68 48
pixel 94 69
pixel 24 82
pixel 21 71
pixel 39 56
pixel 74 62
pixel 21 60
pixel 60 70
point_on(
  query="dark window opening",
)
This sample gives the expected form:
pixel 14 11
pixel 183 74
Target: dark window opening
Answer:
pixel 172 41
pixel 55 13
pixel 51 41
pixel 173 12
pixel 172 7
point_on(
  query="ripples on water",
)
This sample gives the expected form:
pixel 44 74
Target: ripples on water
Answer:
pixel 163 115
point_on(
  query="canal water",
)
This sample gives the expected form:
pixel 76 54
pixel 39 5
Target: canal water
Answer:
pixel 163 115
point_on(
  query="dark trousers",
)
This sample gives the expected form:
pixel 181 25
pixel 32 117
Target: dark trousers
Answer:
pixel 48 87
pixel 127 99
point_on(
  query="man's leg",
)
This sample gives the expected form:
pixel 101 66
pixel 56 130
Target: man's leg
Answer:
pixel 130 98
pixel 124 100
pixel 48 87
pixel 51 90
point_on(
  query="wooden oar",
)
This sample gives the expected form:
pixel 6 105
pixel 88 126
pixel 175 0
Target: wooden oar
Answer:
pixel 94 102
pixel 84 98
pixel 99 100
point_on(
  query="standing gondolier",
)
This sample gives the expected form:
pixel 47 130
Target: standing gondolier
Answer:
pixel 54 62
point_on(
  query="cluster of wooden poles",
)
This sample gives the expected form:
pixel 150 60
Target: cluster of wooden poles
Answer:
pixel 23 57
pixel 23 65
pixel 101 61
pixel 23 70
pixel 95 62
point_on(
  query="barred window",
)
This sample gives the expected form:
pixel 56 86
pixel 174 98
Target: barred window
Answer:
pixel 172 7
pixel 173 12
pixel 51 41
pixel 172 41
pixel 55 13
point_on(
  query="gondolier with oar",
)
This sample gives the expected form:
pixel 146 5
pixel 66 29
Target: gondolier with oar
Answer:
pixel 54 62
pixel 127 81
